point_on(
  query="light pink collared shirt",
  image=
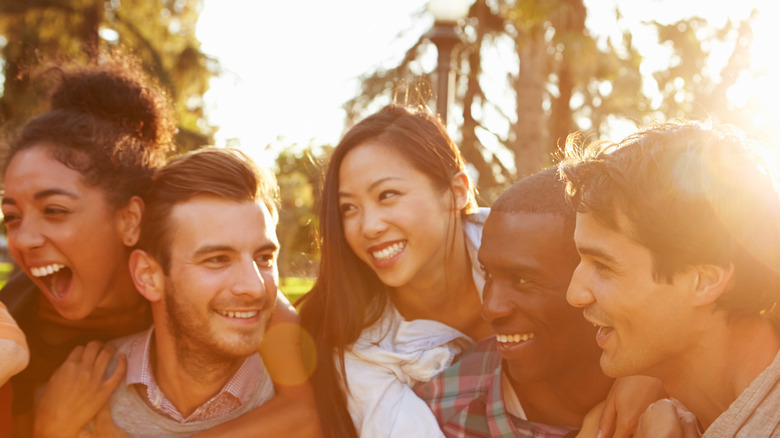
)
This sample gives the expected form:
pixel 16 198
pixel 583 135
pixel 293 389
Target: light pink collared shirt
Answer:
pixel 237 391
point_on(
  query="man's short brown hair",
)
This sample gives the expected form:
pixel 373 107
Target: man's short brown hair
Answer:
pixel 225 173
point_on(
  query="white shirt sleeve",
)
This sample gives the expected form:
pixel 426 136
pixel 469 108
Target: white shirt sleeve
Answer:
pixel 382 406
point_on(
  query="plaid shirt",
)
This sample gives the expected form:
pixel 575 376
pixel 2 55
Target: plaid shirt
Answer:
pixel 468 401
pixel 237 391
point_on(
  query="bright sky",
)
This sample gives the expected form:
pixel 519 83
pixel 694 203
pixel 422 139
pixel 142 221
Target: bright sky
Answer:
pixel 290 65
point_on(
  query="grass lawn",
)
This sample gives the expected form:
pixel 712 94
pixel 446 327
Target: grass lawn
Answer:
pixel 5 272
pixel 294 287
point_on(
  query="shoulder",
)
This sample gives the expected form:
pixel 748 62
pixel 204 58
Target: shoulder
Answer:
pixel 466 380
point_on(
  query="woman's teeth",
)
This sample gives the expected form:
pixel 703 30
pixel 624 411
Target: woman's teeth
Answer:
pixel 514 338
pixel 389 252
pixel 46 270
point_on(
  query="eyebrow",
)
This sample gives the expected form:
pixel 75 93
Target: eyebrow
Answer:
pixel 43 194
pixel 374 184
pixel 514 266
pixel 270 246
pixel 595 252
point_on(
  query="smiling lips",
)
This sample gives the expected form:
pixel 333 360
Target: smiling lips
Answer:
pixel 46 274
pixel 604 331
pixel 238 315
pixel 388 252
pixel 43 271
pixel 506 339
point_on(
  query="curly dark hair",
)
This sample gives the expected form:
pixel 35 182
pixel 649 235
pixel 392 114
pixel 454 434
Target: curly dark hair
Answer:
pixel 108 121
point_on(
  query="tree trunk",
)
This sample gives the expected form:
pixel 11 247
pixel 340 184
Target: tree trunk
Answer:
pixel 530 134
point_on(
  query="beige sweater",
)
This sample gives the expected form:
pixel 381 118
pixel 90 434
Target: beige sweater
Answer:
pixel 756 412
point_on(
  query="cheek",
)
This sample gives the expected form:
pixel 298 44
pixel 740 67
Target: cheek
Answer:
pixel 351 234
pixel 13 249
pixel 271 284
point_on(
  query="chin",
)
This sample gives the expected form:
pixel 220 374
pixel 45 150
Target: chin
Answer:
pixel 72 314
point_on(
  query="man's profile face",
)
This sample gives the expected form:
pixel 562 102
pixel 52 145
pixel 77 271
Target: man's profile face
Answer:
pixel 222 284
pixel 529 263
pixel 644 325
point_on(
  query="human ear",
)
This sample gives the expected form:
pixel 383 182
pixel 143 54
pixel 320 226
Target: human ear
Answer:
pixel 711 282
pixel 130 221
pixel 147 275
pixel 461 187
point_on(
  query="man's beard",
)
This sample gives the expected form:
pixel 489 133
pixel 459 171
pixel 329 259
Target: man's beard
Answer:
pixel 192 338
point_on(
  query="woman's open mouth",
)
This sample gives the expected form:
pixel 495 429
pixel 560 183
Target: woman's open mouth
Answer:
pixel 56 277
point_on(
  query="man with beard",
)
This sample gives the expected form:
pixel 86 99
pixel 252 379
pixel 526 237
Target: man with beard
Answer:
pixel 206 261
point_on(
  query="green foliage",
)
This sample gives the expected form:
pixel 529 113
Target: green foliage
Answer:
pixel 160 32
pixel 6 268
pixel 295 287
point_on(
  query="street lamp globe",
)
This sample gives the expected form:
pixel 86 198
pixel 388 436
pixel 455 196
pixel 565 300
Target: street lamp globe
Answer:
pixel 449 10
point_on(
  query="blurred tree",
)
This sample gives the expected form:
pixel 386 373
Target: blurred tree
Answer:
pixel 299 173
pixel 160 32
pixel 690 87
pixel 530 72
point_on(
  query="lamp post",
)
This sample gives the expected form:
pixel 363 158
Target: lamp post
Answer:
pixel 446 14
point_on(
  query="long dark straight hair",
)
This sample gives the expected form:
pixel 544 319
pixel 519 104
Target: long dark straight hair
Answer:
pixel 348 296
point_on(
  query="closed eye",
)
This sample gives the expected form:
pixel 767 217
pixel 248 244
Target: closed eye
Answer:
pixel 52 210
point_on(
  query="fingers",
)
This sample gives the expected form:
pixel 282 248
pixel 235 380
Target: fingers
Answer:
pixel 91 352
pixel 77 390
pixel 661 420
pixel 608 416
pixel 689 422
pixel 590 425
pixel 627 401
pixel 624 428
pixel 116 377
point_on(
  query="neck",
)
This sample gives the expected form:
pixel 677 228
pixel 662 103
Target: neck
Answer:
pixel 188 376
pixel 102 324
pixel 563 400
pixel 448 295
pixel 728 358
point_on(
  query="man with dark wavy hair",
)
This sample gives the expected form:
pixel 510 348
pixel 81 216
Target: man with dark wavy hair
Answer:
pixel 678 230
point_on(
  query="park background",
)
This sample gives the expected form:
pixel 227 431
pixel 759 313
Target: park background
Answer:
pixel 282 80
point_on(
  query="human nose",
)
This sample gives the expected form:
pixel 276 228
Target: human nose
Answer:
pixel 27 235
pixel 251 282
pixel 373 222
pixel 496 303
pixel 579 293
